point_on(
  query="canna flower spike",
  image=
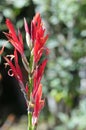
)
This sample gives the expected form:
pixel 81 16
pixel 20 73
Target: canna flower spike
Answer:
pixel 36 40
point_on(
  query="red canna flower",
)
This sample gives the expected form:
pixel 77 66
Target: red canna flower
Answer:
pixel 15 40
pixel 38 38
pixel 39 104
pixel 38 76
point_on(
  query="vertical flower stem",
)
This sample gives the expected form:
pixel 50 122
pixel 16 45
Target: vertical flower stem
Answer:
pixel 30 121
pixel 30 126
pixel 30 84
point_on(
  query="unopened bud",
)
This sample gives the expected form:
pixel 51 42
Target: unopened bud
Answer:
pixel 28 40
pixel 26 26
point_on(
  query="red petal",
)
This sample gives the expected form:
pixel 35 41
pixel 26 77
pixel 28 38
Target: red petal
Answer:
pixel 17 42
pixel 20 38
pixel 38 76
pixel 35 24
pixel 16 56
pixel 38 102
pixel 11 28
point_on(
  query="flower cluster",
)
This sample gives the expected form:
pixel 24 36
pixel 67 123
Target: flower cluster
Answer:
pixel 35 39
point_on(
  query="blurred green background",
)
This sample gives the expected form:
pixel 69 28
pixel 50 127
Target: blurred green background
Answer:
pixel 64 81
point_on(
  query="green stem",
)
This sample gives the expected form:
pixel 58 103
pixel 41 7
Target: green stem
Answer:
pixel 30 84
pixel 30 127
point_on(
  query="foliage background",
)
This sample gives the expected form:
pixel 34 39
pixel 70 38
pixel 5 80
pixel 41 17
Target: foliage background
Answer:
pixel 64 82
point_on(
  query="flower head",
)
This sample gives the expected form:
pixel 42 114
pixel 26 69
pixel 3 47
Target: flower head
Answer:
pixel 36 37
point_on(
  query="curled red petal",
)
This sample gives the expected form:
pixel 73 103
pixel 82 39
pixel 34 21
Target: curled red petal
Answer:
pixel 15 68
pixel 10 73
